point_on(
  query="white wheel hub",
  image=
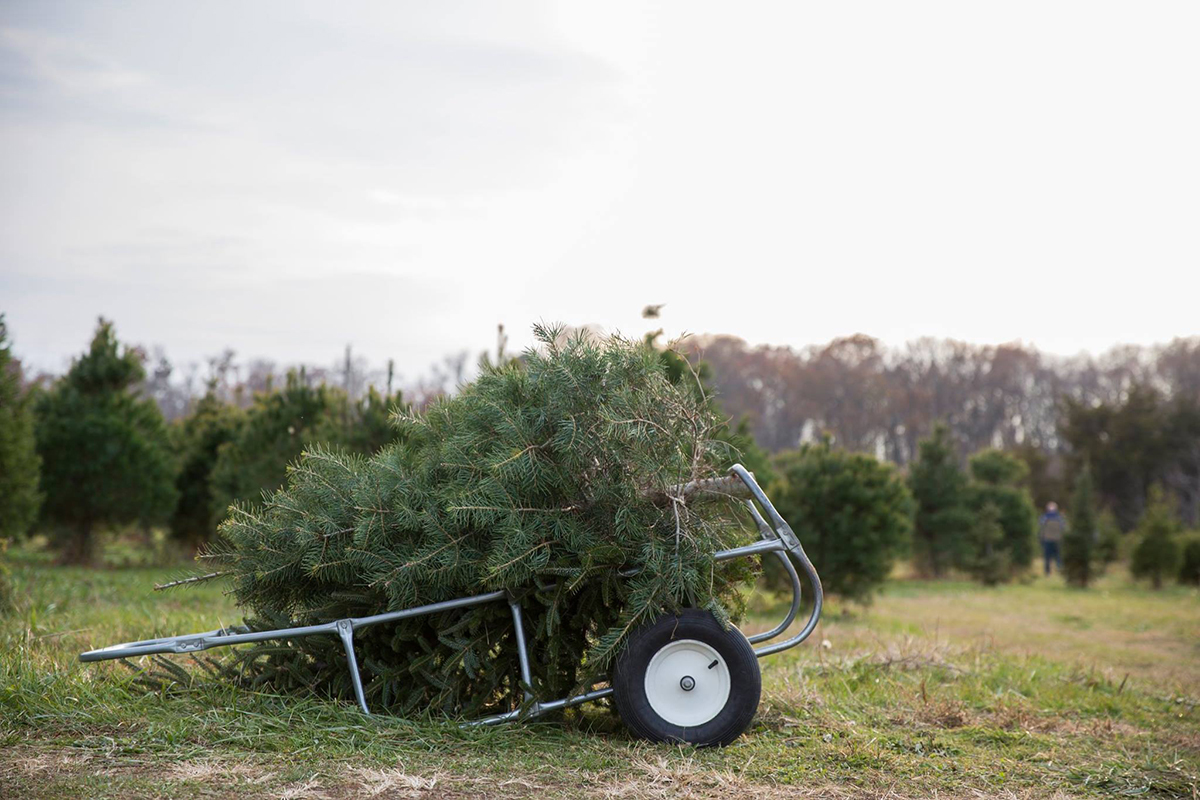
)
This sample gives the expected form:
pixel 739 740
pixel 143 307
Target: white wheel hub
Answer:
pixel 687 683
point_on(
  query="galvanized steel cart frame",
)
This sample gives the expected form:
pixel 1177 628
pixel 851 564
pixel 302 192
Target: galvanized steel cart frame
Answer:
pixel 776 537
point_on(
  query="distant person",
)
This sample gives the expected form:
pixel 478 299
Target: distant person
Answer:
pixel 1051 528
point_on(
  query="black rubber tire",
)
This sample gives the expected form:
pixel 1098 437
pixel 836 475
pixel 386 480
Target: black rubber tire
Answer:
pixel 745 680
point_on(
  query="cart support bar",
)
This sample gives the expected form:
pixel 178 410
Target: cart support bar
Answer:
pixel 345 630
pixel 522 651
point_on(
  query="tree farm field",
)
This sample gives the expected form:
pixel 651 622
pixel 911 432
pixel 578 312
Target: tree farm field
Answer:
pixel 944 689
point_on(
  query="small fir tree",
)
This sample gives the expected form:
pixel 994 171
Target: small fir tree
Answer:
pixel 942 518
pixel 20 466
pixel 198 439
pixel 1080 551
pixel 988 560
pixel 852 513
pixel 998 480
pixel 106 455
pixel 1156 556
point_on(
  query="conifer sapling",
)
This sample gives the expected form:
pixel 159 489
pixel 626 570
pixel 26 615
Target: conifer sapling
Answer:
pixel 1156 556
pixel 1081 553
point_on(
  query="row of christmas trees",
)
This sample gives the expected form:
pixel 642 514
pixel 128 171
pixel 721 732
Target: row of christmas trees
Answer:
pixel 87 454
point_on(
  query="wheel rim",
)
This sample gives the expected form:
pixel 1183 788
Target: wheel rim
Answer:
pixel 681 664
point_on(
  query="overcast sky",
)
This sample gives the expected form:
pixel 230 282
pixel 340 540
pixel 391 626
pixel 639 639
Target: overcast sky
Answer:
pixel 285 178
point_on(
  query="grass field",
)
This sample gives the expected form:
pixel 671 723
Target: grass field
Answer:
pixel 937 689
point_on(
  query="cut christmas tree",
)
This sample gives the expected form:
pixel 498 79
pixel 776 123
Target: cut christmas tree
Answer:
pixel 550 479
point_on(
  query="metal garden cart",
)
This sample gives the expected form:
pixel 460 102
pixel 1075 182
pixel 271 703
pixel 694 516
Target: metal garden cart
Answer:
pixel 683 678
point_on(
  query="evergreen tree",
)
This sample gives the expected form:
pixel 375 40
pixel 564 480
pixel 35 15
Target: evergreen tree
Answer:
pixel 276 429
pixel 1080 544
pixel 987 559
pixel 1156 556
pixel 550 481
pixel 852 513
pixel 198 438
pixel 942 516
pixel 106 455
pixel 1128 446
pixel 20 466
pixel 998 480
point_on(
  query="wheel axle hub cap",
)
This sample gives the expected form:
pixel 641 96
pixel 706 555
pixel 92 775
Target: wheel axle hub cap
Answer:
pixel 687 683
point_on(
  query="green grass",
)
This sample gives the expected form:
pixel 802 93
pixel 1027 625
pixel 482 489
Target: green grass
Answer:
pixel 943 689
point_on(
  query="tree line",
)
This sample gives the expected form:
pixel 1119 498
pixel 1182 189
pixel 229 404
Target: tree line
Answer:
pixel 94 449
pixel 858 515
pixel 1132 413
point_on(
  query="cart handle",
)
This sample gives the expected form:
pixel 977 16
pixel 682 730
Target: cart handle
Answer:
pixel 777 535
